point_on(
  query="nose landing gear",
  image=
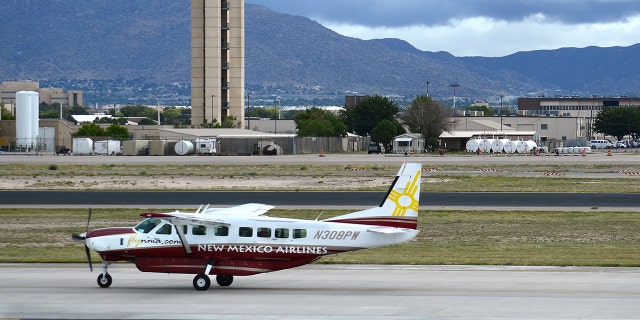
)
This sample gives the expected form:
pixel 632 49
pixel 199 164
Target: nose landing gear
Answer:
pixel 104 279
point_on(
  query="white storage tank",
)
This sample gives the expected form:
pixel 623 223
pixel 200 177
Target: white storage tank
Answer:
pixel 24 134
pixel 82 146
pixel 183 147
pixel 511 146
pixel 526 146
pixel 485 144
pixel 35 113
pixel 498 145
pixel 473 145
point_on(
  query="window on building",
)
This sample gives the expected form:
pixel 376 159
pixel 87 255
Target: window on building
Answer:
pixel 543 126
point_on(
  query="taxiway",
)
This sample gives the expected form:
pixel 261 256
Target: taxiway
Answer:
pixel 57 291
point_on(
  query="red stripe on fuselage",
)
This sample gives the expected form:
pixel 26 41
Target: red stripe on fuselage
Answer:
pixel 396 222
pixel 109 232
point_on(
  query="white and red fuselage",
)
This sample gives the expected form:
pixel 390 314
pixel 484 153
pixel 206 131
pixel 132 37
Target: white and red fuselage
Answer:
pixel 240 241
pixel 267 244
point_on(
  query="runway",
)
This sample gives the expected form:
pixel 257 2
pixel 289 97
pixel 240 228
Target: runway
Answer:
pixel 56 291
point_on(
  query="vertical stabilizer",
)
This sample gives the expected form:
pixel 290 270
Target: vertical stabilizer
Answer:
pixel 399 208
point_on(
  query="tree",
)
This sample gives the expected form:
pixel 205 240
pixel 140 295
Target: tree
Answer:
pixel 618 121
pixel 139 111
pixel 229 122
pixel 4 114
pixel 316 122
pixel 171 115
pixel 117 132
pixel 384 133
pixel 428 118
pixel 90 129
pixel 364 116
pixel 260 112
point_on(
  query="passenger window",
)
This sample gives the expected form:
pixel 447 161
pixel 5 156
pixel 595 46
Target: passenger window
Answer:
pixel 282 233
pixel 185 229
pixel 199 230
pixel 245 232
pixel 264 232
pixel 299 233
pixel 165 229
pixel 221 231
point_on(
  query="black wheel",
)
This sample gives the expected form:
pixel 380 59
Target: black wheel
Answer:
pixel 224 280
pixel 104 282
pixel 201 282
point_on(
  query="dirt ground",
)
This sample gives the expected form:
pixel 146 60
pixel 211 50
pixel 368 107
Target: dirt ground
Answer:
pixel 287 180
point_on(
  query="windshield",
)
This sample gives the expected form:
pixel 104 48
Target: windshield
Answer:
pixel 147 225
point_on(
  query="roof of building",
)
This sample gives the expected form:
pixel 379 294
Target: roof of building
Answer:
pixel 486 133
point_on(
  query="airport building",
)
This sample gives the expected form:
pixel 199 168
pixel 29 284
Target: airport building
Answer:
pixel 217 61
pixel 8 90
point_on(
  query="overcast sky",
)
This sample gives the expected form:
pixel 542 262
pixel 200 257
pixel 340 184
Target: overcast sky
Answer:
pixel 476 27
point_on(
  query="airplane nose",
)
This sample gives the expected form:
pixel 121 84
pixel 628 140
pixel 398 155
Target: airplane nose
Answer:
pixel 79 237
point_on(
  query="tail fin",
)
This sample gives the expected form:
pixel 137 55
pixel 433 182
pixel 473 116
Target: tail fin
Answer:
pixel 399 208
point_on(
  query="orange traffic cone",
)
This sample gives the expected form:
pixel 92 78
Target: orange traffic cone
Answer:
pixel 609 152
pixel 321 152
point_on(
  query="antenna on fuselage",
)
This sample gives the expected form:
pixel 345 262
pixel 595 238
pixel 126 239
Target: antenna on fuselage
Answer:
pixel 318 217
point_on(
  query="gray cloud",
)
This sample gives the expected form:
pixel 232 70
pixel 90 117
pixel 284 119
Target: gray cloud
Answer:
pixel 396 13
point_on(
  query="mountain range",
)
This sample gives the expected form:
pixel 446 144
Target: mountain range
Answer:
pixel 145 45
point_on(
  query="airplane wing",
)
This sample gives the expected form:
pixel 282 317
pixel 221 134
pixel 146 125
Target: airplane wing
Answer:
pixel 211 216
pixel 249 209
pixel 185 218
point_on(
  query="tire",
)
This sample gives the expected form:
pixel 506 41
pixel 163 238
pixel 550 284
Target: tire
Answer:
pixel 201 282
pixel 224 280
pixel 104 282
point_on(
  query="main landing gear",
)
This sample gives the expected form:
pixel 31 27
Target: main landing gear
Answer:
pixel 104 279
pixel 201 282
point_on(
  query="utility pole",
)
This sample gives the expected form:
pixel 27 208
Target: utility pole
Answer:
pixel 454 86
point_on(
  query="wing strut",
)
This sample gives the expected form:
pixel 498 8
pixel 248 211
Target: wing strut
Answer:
pixel 186 246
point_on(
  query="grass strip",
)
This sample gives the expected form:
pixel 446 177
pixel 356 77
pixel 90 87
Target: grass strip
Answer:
pixel 528 238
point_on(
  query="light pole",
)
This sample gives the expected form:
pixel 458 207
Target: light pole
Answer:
pixel 212 96
pixel 249 107
pixel 501 96
pixel 454 86
pixel 428 88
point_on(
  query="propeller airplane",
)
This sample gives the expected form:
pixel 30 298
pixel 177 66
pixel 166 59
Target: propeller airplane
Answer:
pixel 242 241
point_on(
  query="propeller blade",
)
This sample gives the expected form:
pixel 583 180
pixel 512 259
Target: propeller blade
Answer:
pixel 86 249
pixel 88 220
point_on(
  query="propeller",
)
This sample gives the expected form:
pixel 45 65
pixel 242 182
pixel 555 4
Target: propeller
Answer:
pixel 83 237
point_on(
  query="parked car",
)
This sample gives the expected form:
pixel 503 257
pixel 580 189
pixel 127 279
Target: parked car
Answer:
pixel 374 148
pixel 621 144
pixel 64 151
pixel 601 144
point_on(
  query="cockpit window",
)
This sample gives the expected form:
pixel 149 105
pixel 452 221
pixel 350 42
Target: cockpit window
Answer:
pixel 147 225
pixel 165 229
